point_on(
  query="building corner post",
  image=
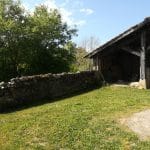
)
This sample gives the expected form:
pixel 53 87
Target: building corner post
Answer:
pixel 142 81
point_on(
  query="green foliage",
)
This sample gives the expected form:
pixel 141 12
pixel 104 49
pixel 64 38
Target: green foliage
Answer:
pixel 12 20
pixel 33 44
pixel 85 122
pixel 81 63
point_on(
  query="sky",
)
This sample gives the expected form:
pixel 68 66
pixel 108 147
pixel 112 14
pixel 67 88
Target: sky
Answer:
pixel 103 19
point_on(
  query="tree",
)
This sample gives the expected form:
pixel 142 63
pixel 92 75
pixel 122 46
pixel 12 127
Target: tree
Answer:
pixel 81 64
pixel 33 44
pixel 50 49
pixel 12 21
pixel 90 44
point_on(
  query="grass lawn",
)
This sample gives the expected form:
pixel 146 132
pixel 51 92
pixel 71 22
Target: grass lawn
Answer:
pixel 87 121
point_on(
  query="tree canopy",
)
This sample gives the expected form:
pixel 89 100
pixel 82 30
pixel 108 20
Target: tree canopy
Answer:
pixel 33 43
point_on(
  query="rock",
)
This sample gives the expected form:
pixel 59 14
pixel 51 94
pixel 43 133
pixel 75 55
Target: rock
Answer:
pixel 134 84
pixel 47 86
pixel 140 87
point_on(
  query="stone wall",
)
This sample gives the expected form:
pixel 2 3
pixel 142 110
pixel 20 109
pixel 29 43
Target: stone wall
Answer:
pixel 28 89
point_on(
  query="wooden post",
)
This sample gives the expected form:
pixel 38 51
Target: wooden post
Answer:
pixel 97 64
pixel 142 61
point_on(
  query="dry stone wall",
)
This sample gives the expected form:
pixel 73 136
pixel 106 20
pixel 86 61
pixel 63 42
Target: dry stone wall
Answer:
pixel 28 89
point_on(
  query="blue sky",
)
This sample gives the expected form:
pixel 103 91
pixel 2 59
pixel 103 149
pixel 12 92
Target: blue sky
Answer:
pixel 103 19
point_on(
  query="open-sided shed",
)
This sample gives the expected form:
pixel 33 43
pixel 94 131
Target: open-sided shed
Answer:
pixel 126 57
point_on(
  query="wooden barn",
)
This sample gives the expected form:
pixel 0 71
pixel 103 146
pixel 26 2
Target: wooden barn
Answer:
pixel 126 57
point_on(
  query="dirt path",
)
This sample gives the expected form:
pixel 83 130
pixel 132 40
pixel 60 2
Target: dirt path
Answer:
pixel 139 123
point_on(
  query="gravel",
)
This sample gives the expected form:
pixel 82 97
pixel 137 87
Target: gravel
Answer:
pixel 139 123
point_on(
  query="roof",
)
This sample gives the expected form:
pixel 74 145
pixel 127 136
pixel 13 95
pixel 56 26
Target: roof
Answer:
pixel 119 37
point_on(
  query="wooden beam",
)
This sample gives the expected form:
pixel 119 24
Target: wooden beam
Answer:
pixel 142 58
pixel 120 43
pixel 97 63
pixel 148 48
pixel 134 38
pixel 131 51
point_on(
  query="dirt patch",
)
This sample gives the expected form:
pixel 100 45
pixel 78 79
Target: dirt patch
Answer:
pixel 139 123
pixel 119 85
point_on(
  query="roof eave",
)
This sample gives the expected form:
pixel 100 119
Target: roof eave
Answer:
pixel 118 38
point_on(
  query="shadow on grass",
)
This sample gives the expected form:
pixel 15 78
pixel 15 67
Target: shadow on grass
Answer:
pixel 30 104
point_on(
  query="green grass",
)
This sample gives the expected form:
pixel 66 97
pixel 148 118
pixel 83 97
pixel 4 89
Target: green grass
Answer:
pixel 87 121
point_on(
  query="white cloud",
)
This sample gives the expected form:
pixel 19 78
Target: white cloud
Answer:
pixel 65 3
pixel 81 23
pixel 67 16
pixel 87 11
pixel 51 4
pixel 25 6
